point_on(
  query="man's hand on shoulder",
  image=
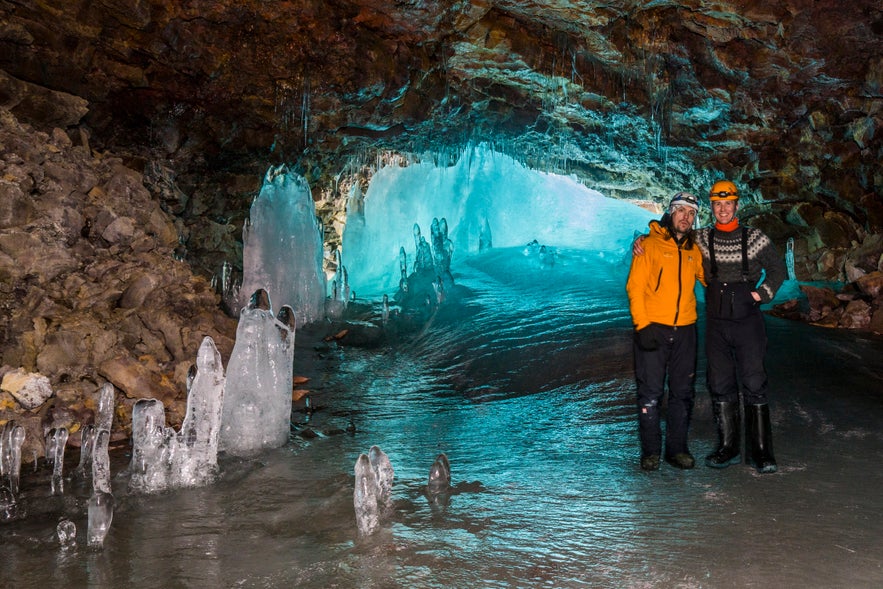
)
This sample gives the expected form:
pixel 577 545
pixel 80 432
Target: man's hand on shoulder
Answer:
pixel 637 247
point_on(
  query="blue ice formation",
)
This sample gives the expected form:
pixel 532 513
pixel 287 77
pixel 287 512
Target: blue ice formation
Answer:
pixel 484 192
pixel 283 247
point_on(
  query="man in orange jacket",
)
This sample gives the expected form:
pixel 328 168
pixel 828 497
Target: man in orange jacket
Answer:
pixel 662 302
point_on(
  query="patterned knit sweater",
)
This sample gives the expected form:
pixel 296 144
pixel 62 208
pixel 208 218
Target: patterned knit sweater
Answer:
pixel 766 268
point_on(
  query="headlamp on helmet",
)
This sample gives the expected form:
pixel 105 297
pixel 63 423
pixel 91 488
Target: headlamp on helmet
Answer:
pixel 683 199
pixel 723 190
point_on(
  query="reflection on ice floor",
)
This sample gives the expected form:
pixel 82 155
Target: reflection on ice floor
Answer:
pixel 526 385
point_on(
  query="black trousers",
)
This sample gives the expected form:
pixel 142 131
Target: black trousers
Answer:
pixel 735 350
pixel 676 359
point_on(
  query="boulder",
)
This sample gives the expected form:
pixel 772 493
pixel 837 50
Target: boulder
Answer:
pixel 822 301
pixel 30 389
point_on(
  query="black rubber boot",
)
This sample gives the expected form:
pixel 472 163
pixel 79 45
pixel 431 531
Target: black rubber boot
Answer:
pixel 726 416
pixel 759 436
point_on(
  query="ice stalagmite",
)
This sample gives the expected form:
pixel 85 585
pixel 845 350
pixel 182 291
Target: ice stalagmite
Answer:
pixel 87 441
pixel 372 496
pixel 365 497
pixel 101 503
pixel 56 440
pixel 384 473
pixel 282 246
pixel 440 474
pixel 16 439
pixel 12 436
pixel 103 421
pixel 485 239
pixel 148 470
pixel 101 463
pixel 66 531
pixel 164 459
pixel 195 460
pixel 257 397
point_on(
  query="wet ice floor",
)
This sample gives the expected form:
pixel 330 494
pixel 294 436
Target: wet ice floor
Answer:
pixel 524 379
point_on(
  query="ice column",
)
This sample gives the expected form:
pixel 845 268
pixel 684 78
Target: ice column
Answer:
pixel 282 246
pixel 56 440
pixel 148 470
pixel 257 399
pixel 101 503
pixel 12 436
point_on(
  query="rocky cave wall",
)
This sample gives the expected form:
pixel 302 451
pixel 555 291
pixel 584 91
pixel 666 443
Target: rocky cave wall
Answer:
pixel 158 120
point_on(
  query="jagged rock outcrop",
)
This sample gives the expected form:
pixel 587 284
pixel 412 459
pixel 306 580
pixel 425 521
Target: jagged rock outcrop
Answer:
pixel 90 288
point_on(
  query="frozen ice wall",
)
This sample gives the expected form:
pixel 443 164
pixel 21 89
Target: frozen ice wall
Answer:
pixel 282 246
pixel 483 193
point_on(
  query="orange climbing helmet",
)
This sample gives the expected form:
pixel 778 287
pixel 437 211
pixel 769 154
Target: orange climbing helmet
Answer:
pixel 723 190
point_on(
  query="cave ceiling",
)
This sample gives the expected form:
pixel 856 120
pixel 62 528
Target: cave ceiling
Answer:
pixel 635 98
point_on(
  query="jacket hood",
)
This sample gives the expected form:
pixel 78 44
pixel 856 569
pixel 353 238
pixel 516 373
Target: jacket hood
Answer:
pixel 657 229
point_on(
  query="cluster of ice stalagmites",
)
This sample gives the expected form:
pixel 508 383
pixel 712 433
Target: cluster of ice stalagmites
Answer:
pixel 372 495
pixel 162 458
pixel 246 411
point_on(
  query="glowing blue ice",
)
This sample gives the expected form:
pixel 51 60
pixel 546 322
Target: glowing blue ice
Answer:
pixel 483 192
pixel 282 246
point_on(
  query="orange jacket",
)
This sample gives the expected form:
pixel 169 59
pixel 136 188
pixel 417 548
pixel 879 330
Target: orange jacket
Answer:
pixel 662 281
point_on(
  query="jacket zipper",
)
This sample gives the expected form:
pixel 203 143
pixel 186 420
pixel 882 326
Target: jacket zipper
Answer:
pixel 680 285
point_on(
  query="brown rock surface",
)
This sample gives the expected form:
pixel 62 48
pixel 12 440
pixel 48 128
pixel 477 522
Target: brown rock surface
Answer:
pixel 91 290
